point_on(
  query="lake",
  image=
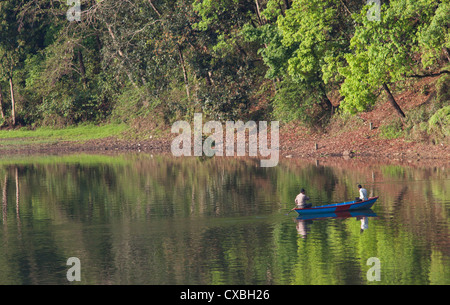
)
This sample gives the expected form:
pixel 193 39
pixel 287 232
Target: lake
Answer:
pixel 157 220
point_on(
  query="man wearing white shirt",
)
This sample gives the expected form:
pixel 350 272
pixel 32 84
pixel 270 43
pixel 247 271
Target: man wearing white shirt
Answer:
pixel 300 200
pixel 362 193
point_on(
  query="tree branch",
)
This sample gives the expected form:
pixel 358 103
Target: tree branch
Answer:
pixel 346 8
pixel 392 100
pixel 429 75
pixel 154 8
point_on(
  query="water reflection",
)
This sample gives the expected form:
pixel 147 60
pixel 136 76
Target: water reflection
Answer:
pixel 364 223
pixel 303 222
pixel 137 219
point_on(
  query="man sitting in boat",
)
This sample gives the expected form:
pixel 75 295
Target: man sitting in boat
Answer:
pixel 362 194
pixel 300 200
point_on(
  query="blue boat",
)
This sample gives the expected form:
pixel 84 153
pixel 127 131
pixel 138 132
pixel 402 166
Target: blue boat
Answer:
pixel 339 207
pixel 338 215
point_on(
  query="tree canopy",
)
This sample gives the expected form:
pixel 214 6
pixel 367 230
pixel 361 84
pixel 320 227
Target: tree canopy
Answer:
pixel 289 60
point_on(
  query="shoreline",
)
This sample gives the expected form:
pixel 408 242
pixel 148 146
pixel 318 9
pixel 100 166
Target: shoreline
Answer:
pixel 314 149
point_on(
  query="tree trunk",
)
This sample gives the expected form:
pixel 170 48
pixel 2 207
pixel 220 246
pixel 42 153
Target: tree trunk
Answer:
pixel 119 51
pixel 326 100
pixel 82 68
pixel 1 104
pixel 154 8
pixel 392 101
pixel 447 53
pixel 345 7
pixel 186 81
pixel 258 12
pixel 13 102
pixel 288 6
pixel 209 79
pixel 98 54
pixel 329 106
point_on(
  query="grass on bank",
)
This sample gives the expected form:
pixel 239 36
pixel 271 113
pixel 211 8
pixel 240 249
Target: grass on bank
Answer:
pixel 420 125
pixel 83 132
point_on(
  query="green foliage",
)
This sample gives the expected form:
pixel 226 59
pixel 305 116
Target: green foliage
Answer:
pixel 428 122
pixel 392 130
pixel 315 33
pixel 128 59
pixel 415 125
pixel 435 35
pixel 443 90
pixel 384 51
pixel 440 122
pixel 294 102
pixel 313 27
pixel 213 11
pixel 275 55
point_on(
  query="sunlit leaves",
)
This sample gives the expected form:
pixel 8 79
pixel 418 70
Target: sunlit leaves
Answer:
pixel 435 36
pixel 386 51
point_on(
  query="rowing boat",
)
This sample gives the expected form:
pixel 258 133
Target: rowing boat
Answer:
pixel 338 215
pixel 339 207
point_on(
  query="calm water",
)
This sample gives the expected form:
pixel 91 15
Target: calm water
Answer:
pixel 141 219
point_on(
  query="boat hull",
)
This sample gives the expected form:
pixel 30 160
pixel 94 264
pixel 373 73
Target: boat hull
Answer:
pixel 338 215
pixel 339 207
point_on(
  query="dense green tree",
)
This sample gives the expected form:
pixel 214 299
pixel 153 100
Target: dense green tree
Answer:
pixel 434 37
pixel 302 44
pixel 388 50
pixel 230 64
pixel 320 33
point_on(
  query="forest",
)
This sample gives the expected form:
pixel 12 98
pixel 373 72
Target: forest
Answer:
pixel 164 60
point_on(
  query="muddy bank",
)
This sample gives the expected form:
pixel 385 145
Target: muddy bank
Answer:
pixel 97 146
pixel 293 146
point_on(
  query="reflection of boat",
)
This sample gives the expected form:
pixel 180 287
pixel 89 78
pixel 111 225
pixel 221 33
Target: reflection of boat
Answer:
pixel 339 207
pixel 303 221
pixel 343 214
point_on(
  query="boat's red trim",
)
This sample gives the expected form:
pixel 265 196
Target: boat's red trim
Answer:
pixel 343 207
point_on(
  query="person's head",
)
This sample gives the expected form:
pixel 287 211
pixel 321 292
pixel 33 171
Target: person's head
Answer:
pixel 302 191
pixel 359 186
